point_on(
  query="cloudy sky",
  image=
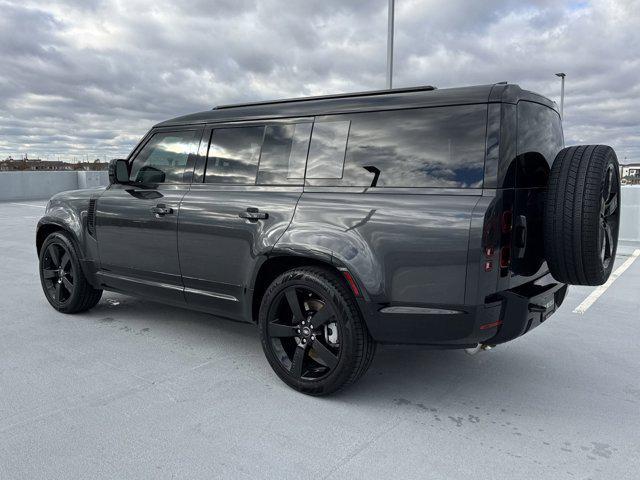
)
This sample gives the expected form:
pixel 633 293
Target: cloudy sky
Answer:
pixel 89 77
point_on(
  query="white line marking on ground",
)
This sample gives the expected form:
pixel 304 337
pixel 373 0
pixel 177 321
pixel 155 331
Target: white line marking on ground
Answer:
pixel 28 205
pixel 590 300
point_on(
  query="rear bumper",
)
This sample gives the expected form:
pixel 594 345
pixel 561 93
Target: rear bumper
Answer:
pixel 504 316
pixel 525 307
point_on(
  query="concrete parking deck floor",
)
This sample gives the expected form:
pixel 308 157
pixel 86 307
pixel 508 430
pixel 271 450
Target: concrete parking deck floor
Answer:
pixel 134 389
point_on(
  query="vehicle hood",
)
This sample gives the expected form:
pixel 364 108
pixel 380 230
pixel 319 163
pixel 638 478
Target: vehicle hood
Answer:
pixel 71 195
pixel 74 199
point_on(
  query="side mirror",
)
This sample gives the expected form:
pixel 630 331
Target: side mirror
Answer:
pixel 118 171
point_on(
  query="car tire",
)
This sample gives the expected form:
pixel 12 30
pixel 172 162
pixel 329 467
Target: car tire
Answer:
pixel 582 215
pixel 64 284
pixel 315 359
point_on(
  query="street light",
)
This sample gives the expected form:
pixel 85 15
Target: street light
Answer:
pixel 390 46
pixel 561 75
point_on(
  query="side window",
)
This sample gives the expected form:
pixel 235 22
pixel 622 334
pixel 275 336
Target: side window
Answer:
pixel 164 158
pixel 327 149
pixel 233 155
pixel 284 154
pixel 422 147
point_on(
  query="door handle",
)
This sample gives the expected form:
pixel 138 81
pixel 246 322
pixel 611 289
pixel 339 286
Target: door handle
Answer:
pixel 161 210
pixel 253 214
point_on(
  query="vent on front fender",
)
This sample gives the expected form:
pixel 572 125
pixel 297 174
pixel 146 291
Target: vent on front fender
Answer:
pixel 91 217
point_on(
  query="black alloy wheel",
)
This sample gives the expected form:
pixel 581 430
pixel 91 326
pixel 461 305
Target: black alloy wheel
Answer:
pixel 608 217
pixel 303 332
pixel 312 332
pixel 64 284
pixel 58 273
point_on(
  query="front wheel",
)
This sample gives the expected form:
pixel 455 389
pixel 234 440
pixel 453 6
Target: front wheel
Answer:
pixel 63 281
pixel 312 332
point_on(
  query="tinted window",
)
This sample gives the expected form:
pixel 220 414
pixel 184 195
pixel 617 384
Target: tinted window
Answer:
pixel 539 130
pixel 164 158
pixel 233 155
pixel 284 153
pixel 326 152
pixel 426 147
pixel 539 140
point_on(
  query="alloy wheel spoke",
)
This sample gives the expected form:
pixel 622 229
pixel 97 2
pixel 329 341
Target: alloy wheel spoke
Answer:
pixel 49 273
pixel 56 295
pixel 298 360
pixel 67 285
pixel 294 304
pixel 65 260
pixel 280 330
pixel 606 190
pixel 326 355
pixel 54 255
pixel 609 240
pixel 611 205
pixel 322 316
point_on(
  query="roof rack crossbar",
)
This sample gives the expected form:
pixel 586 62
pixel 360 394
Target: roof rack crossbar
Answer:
pixel 328 97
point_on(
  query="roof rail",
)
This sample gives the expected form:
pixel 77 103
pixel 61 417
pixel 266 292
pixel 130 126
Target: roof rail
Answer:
pixel 327 97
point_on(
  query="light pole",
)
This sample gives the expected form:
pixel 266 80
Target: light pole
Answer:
pixel 561 75
pixel 390 46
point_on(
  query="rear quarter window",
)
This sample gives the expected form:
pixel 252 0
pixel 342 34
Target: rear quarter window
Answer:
pixel 423 147
pixel 539 140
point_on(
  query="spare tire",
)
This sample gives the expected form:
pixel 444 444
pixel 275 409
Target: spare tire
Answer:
pixel 582 214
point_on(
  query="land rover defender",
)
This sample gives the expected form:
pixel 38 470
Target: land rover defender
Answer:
pixel 450 218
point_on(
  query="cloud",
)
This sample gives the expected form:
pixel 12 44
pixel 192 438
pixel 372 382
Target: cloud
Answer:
pixel 90 77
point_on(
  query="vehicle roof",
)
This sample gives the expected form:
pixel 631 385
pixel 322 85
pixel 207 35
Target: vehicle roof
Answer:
pixel 362 101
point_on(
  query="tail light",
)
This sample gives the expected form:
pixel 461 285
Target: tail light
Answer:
pixel 488 261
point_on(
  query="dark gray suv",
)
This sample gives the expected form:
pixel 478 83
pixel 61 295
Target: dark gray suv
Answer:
pixel 450 218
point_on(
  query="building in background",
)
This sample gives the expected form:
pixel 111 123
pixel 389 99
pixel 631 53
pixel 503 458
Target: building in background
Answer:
pixel 630 173
pixel 34 164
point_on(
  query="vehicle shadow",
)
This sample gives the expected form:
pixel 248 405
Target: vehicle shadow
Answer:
pixel 399 375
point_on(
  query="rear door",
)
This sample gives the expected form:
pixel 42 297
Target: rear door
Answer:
pixel 247 185
pixel 136 224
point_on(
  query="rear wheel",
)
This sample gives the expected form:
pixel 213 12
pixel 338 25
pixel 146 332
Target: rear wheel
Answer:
pixel 63 281
pixel 312 333
pixel 582 214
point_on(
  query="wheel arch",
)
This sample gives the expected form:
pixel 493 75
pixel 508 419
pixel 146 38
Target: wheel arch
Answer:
pixel 48 226
pixel 279 262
